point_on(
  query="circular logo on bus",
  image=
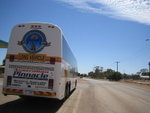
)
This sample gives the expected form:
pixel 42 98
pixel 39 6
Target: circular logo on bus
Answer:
pixel 34 41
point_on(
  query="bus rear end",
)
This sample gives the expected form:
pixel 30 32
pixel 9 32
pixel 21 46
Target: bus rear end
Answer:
pixel 33 61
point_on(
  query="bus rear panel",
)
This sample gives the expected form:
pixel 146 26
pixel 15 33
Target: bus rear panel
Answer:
pixel 35 65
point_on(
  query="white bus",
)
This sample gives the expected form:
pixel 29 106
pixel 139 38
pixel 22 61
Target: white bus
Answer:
pixel 39 62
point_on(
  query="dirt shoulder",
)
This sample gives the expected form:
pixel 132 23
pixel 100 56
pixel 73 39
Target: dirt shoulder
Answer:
pixel 140 83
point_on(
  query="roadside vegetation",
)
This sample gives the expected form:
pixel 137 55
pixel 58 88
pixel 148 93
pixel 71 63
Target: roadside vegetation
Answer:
pixel 110 74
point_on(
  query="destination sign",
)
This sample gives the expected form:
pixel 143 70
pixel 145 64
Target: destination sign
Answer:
pixel 31 57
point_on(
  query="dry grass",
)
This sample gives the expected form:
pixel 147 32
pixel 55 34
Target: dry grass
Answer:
pixel 136 84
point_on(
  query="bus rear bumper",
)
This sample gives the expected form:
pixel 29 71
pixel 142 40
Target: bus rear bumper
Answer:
pixel 19 92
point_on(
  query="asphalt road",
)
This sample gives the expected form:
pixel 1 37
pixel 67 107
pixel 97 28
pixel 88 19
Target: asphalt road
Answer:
pixel 91 96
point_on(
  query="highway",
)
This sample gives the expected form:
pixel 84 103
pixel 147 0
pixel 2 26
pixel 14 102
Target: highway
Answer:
pixel 91 96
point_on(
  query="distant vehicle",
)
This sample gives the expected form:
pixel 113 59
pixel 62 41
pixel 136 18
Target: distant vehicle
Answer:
pixel 39 62
pixel 144 76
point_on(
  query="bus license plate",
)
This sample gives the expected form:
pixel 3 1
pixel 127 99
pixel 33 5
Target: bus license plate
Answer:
pixel 28 92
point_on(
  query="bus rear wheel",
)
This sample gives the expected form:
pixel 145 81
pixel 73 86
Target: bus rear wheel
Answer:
pixel 76 84
pixel 67 91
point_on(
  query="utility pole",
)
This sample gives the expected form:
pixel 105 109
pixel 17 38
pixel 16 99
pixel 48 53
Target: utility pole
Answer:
pixel 117 62
pixel 149 66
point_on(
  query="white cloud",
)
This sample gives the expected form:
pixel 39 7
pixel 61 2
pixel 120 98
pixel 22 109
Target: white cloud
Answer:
pixel 135 10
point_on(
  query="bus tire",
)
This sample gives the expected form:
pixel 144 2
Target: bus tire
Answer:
pixel 76 84
pixel 69 88
pixel 66 91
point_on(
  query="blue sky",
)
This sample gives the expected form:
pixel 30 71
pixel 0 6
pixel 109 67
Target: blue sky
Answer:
pixel 99 32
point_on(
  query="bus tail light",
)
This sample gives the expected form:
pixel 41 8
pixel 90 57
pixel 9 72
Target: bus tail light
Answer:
pixel 9 79
pixel 50 84
pixel 11 58
pixel 52 60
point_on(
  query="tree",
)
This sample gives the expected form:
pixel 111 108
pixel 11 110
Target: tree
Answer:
pixel 135 77
pixel 114 76
pixel 109 74
pixel 117 76
pixel 144 70
pixel 78 74
pixel 149 74
pixel 125 76
pixel 83 75
pixel 98 72
pixel 91 74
